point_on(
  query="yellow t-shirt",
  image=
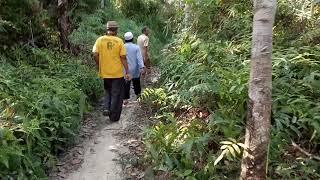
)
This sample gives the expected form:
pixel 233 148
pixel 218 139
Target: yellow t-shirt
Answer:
pixel 110 48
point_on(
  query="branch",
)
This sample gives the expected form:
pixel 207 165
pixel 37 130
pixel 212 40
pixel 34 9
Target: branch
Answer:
pixel 311 156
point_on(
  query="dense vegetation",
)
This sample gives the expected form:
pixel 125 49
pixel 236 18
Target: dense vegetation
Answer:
pixel 44 92
pixel 45 89
pixel 203 94
pixel 43 97
pixel 201 101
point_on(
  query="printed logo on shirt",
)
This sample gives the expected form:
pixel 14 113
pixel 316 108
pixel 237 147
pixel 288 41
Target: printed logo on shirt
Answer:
pixel 109 45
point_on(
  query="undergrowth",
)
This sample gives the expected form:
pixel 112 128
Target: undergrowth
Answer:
pixel 43 97
pixel 44 92
pixel 201 105
pixel 189 146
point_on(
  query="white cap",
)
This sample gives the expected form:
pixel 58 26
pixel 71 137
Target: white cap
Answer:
pixel 128 36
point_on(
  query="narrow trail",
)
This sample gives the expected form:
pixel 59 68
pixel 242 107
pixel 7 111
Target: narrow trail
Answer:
pixel 101 154
pixel 100 144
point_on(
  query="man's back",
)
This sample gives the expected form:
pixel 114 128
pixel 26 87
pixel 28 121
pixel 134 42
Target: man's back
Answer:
pixel 134 58
pixel 110 49
pixel 143 41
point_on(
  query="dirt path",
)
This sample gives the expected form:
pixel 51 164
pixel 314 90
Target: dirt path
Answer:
pixel 101 146
pixel 101 155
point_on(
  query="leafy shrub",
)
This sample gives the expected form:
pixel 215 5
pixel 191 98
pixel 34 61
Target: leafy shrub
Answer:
pixel 177 147
pixel 207 67
pixel 148 13
pixel 27 22
pixel 43 97
pixel 44 93
pixel 157 98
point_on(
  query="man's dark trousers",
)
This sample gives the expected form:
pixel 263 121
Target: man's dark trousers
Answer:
pixel 114 88
pixel 136 87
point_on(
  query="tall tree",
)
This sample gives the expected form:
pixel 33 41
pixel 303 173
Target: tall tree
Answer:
pixel 102 3
pixel 63 23
pixel 187 14
pixel 254 162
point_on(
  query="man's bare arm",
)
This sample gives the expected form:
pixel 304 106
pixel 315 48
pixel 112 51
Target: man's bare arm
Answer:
pixel 125 63
pixel 96 58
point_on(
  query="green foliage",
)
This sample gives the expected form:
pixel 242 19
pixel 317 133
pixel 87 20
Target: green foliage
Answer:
pixel 296 92
pixel 43 97
pixel 139 8
pixel 82 7
pixel 34 22
pixel 185 147
pixel 92 26
pixel 157 98
pixel 43 93
pixel 231 149
pixel 207 66
pixel 149 13
pixel 180 148
pixel 19 20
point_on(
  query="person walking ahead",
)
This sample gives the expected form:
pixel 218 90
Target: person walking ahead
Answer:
pixel 143 42
pixel 110 57
pixel 136 66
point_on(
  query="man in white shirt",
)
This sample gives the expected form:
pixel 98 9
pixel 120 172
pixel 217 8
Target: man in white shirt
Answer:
pixel 143 43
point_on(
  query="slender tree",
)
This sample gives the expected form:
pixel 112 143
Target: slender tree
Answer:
pixel 102 3
pixel 187 14
pixel 254 162
pixel 63 23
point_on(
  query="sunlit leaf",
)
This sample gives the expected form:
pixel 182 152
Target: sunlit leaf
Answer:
pixel 236 148
pixel 226 142
pixel 231 150
pixel 220 157
pixel 224 147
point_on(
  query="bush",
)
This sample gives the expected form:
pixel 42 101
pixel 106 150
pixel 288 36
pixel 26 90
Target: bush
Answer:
pixel 207 67
pixel 43 97
pixel 21 19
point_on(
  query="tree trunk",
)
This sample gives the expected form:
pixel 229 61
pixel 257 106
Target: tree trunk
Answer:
pixel 254 162
pixel 102 4
pixel 63 23
pixel 187 12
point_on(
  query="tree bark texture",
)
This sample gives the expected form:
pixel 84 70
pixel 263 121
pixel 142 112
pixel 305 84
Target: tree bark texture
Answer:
pixel 63 23
pixel 254 162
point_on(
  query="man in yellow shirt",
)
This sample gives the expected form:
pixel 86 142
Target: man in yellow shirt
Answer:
pixel 110 57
